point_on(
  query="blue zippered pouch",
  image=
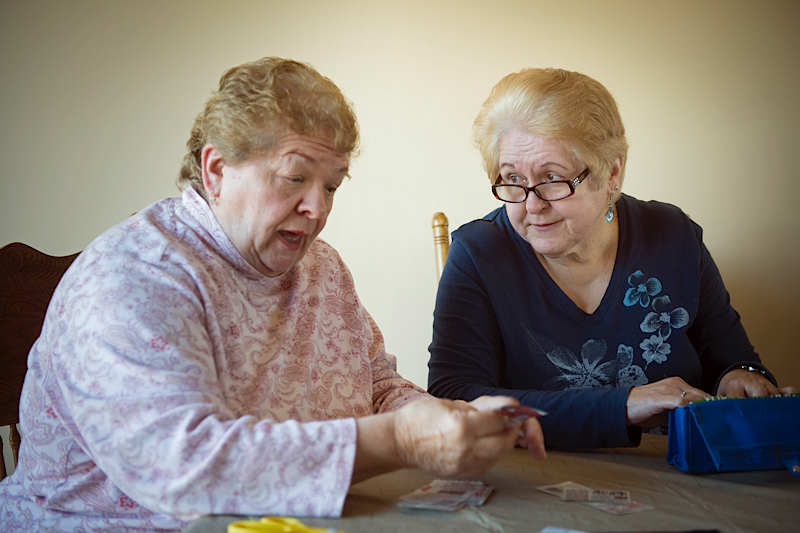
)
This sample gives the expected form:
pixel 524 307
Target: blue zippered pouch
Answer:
pixel 735 434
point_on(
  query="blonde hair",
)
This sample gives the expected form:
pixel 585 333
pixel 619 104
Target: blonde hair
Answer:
pixel 258 103
pixel 568 107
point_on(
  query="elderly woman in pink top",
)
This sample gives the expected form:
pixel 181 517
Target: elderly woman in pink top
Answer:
pixel 210 354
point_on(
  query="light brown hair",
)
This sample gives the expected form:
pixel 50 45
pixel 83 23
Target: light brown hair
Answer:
pixel 258 103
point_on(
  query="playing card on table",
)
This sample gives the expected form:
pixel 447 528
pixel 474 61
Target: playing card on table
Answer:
pixel 567 491
pixel 577 494
pixel 618 509
pixel 446 495
pixel 480 492
pixel 620 497
pixel 430 497
pixel 616 502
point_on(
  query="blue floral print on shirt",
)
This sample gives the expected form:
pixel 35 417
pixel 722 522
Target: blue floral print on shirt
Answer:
pixel 664 319
pixel 628 375
pixel 569 372
pixel 655 349
pixel 661 320
pixel 641 290
pixel 566 371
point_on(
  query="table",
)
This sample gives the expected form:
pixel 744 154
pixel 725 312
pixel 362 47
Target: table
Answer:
pixel 739 502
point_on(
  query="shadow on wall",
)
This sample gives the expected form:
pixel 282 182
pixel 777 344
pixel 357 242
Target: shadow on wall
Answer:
pixel 767 301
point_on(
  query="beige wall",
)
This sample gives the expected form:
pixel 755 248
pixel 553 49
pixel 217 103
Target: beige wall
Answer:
pixel 97 97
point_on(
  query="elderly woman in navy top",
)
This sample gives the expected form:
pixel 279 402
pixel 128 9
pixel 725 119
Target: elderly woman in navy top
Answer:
pixel 602 309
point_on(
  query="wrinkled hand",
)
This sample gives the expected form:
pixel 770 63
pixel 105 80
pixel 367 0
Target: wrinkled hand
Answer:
pixel 649 405
pixel 453 438
pixel 744 384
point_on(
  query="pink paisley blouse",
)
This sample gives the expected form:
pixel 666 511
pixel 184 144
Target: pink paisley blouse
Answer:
pixel 172 380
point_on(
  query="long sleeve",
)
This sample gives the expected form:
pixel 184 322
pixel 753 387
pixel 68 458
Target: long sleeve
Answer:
pixel 503 326
pixel 172 379
pixel 469 359
pixel 390 390
pixel 717 334
pixel 131 374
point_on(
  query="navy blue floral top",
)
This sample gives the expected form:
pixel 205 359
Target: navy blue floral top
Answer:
pixel 503 326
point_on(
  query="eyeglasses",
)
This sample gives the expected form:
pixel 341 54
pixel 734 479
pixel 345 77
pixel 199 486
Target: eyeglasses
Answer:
pixel 549 191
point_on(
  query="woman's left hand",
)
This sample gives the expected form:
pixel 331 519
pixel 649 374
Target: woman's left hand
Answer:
pixel 649 405
pixel 741 383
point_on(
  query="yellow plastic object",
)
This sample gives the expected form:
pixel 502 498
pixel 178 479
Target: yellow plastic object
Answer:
pixel 276 524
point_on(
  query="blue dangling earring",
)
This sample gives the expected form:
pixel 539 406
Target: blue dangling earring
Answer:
pixel 610 212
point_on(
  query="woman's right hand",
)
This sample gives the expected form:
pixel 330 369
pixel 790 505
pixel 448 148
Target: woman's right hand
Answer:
pixel 449 438
pixel 649 405
pixel 442 437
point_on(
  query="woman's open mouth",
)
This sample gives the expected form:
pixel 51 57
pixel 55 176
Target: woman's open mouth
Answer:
pixel 292 239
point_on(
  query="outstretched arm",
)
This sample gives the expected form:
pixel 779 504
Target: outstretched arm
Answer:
pixel 442 437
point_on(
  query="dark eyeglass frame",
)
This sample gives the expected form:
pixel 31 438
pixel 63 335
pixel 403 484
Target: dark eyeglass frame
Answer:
pixel 573 184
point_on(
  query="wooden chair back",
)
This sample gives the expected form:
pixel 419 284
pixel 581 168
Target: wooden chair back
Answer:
pixel 27 281
pixel 441 241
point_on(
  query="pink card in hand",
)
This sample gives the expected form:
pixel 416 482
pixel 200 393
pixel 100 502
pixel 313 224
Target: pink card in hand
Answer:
pixel 520 413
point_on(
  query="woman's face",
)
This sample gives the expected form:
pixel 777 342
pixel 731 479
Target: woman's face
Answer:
pixel 556 229
pixel 273 206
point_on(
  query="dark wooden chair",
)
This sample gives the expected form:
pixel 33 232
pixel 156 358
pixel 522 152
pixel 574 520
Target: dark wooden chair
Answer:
pixel 27 281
